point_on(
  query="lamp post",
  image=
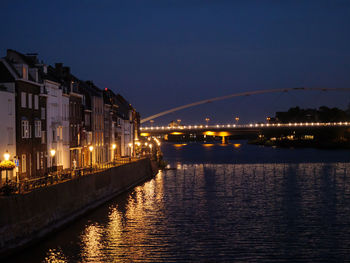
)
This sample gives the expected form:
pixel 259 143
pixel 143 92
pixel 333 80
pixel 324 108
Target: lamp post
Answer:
pixel 52 153
pixel 91 148
pixel 178 122
pixel 207 120
pixel 237 119
pixel 7 157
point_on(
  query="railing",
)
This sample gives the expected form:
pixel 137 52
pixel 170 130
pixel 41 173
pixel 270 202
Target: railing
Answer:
pixel 251 125
pixel 53 178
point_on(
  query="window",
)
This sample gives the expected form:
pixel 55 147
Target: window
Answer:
pixel 24 163
pixel 37 129
pixel 36 102
pixel 41 160
pixel 9 107
pixel 30 100
pixel 25 129
pixel 10 136
pixel 87 119
pixel 23 99
pixel 43 113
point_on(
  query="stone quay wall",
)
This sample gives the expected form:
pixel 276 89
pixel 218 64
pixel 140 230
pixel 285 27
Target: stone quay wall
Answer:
pixel 28 217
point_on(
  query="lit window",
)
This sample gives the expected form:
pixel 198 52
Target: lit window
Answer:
pixel 24 163
pixel 25 129
pixel 37 129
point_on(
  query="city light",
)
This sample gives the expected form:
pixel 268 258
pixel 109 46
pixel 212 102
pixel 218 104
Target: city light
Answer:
pixel 6 156
pixel 114 146
pixel 91 148
pixel 53 152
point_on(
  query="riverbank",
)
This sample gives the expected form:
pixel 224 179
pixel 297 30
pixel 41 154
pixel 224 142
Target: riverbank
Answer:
pixel 26 218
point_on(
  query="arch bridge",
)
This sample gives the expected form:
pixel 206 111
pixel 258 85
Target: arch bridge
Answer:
pixel 241 94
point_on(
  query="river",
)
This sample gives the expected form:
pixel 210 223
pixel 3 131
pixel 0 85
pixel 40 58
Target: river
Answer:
pixel 227 203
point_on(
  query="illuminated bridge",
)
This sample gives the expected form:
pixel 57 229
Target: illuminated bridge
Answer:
pixel 227 130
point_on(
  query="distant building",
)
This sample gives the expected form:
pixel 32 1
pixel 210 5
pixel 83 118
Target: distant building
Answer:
pixel 7 116
pixel 51 119
pixel 30 112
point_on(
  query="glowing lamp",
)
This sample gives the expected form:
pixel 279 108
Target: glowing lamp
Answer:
pixel 6 156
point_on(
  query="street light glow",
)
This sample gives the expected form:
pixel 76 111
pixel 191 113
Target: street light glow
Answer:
pixel 53 152
pixel 91 148
pixel 6 156
pixel 113 146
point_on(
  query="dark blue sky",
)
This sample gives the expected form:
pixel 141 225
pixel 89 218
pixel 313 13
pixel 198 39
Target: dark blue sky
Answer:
pixel 164 53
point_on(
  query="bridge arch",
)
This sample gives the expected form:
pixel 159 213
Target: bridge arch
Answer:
pixel 255 92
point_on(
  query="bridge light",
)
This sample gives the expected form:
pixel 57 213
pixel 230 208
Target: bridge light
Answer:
pixel 217 126
pixel 250 125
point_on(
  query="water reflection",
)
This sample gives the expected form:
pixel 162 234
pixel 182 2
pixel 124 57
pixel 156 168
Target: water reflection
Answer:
pixel 249 211
pixel 224 212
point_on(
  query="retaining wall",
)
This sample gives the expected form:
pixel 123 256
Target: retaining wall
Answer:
pixel 28 217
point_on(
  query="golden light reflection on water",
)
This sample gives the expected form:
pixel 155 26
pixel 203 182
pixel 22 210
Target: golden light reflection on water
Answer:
pixel 150 223
pixel 178 145
pixel 91 243
pixel 208 144
pixel 129 224
pixel 237 145
pixel 55 256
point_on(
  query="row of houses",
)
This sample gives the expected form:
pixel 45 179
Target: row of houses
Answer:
pixel 53 120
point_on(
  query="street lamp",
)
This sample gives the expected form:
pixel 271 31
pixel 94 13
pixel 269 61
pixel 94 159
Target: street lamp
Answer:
pixel 91 148
pixel 7 157
pixel 237 119
pixel 207 120
pixel 52 153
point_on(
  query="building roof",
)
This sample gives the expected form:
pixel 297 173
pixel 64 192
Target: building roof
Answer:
pixel 5 75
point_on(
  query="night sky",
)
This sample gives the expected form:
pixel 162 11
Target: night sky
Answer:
pixel 164 53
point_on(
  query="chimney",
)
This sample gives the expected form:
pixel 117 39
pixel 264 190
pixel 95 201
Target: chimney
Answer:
pixel 58 68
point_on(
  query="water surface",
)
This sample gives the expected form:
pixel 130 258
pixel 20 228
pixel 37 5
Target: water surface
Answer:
pixel 231 203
